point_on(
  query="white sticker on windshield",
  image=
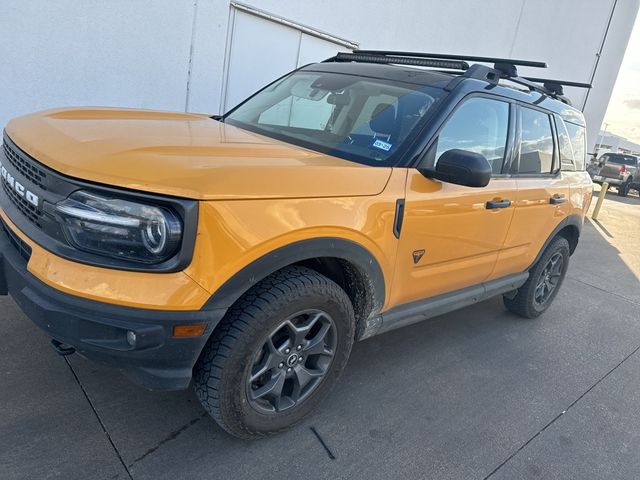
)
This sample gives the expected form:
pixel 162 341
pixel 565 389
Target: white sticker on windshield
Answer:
pixel 382 145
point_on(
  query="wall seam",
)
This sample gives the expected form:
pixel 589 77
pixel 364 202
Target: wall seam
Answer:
pixel 226 65
pixel 191 49
pixel 599 54
pixel 515 33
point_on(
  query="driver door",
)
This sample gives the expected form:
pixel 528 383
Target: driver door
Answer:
pixel 451 234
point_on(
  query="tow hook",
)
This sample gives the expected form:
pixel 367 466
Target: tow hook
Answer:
pixel 62 348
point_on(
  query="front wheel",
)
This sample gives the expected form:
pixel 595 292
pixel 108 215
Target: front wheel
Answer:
pixel 277 353
pixel 545 279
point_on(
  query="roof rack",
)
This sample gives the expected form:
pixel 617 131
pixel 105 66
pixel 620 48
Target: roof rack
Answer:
pixel 503 68
pixel 556 85
pixel 420 61
pixel 468 58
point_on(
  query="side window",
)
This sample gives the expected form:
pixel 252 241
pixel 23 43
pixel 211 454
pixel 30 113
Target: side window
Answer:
pixel 480 125
pixel 567 159
pixel 536 144
pixel 578 143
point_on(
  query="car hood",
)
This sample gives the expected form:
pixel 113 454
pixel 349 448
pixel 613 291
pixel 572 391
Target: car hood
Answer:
pixel 185 155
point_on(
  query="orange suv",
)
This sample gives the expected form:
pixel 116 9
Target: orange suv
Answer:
pixel 247 252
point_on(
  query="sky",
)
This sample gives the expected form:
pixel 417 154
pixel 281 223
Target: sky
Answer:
pixel 623 113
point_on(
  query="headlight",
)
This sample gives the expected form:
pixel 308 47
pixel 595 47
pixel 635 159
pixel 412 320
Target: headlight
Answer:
pixel 119 228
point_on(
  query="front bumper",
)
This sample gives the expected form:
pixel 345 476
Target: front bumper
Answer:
pixel 98 331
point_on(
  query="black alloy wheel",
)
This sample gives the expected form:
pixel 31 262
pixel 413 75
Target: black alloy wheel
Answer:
pixel 549 280
pixel 292 362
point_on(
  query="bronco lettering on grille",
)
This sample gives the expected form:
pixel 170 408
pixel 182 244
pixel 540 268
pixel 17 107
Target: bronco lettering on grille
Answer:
pixel 18 187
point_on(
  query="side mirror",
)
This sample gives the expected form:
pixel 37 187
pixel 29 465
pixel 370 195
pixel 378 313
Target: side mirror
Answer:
pixel 462 168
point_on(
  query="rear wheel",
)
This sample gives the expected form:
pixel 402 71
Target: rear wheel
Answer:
pixel 545 279
pixel 277 353
pixel 623 189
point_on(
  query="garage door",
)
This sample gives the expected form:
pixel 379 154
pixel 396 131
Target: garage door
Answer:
pixel 263 47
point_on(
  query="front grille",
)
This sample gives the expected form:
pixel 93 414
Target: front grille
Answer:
pixel 28 210
pixel 26 168
pixel 16 241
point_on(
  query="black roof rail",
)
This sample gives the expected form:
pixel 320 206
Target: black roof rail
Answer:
pixel 536 87
pixel 566 83
pixel 503 68
pixel 556 86
pixel 420 61
pixel 467 58
pixel 552 88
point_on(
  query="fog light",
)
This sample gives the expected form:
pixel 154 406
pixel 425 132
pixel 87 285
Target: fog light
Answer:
pixel 131 338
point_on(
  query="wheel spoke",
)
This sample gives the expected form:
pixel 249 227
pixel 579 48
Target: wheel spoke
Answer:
pixel 318 348
pixel 270 362
pixel 300 332
pixel 550 286
pixel 317 345
pixel 556 265
pixel 303 377
pixel 270 346
pixel 261 371
pixel 276 352
pixel 272 388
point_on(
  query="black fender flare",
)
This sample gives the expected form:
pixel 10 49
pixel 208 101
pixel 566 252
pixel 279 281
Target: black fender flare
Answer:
pixel 352 252
pixel 574 220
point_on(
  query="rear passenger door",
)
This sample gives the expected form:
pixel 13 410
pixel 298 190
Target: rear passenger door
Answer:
pixel 542 199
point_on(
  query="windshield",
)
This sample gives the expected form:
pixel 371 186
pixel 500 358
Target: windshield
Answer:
pixel 621 160
pixel 367 120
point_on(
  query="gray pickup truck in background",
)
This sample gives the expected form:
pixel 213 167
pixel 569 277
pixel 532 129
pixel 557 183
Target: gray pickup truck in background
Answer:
pixel 619 170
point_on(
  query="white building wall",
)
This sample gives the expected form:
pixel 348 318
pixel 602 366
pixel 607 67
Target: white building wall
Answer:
pixel 607 142
pixel 174 54
pixel 77 52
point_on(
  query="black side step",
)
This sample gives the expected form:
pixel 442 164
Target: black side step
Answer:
pixel 417 311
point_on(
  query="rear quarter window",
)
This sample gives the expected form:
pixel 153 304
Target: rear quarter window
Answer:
pixel 572 143
pixel 578 137
pixel 536 143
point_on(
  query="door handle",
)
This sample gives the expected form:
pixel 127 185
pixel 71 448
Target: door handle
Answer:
pixel 557 199
pixel 491 204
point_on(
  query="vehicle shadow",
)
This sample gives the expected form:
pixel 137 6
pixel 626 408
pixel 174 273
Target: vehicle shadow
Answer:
pixel 460 379
pixel 633 198
pixel 451 397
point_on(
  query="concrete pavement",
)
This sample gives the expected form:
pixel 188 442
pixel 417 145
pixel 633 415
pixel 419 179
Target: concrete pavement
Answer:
pixel 474 394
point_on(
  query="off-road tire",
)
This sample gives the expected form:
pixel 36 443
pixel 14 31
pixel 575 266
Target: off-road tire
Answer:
pixel 220 374
pixel 523 303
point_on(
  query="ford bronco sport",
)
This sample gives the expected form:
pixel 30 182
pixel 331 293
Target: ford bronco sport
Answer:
pixel 246 252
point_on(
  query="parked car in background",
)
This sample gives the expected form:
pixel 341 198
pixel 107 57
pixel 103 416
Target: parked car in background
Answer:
pixel 619 170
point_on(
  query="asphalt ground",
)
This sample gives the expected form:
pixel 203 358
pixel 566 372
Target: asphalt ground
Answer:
pixel 475 394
